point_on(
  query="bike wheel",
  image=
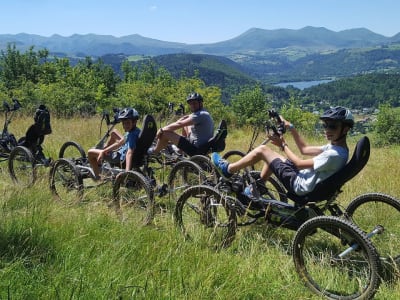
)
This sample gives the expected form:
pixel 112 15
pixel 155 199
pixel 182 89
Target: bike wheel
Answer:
pixel 133 197
pixel 271 189
pixel 21 166
pixel 183 175
pixel 205 164
pixel 73 151
pixel 323 260
pixel 204 215
pixel 66 184
pixel 234 155
pixel 370 210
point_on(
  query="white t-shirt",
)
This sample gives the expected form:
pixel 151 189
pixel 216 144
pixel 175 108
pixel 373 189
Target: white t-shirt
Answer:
pixel 331 160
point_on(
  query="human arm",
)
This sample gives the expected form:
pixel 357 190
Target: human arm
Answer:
pixel 128 159
pixel 180 123
pixel 303 147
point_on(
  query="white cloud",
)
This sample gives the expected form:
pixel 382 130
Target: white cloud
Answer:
pixel 153 8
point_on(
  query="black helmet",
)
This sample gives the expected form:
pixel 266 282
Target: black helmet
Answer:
pixel 339 113
pixel 194 96
pixel 128 113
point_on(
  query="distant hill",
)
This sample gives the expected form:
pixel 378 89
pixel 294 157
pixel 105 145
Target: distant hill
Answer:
pixel 271 56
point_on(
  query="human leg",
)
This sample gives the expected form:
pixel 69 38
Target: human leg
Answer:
pixel 93 154
pixel 115 136
pixel 163 140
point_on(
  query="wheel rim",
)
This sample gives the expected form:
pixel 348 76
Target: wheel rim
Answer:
pixel 316 248
pixel 377 209
pixel 133 198
pixel 203 217
pixel 22 167
pixel 65 183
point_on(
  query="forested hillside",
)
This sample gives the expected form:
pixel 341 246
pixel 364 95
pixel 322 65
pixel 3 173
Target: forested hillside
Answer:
pixel 91 86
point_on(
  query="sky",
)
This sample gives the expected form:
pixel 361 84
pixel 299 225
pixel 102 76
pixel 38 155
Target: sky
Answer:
pixel 193 21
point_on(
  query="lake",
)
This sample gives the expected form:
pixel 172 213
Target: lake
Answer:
pixel 303 84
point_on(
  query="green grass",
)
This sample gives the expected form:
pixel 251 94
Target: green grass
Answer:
pixel 48 251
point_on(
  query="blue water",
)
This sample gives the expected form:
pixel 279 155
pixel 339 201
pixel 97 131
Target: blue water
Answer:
pixel 303 84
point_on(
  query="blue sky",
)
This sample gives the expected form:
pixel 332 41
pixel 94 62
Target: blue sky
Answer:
pixel 193 21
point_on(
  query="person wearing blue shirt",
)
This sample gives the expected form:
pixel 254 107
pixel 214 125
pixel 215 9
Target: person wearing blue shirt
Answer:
pixel 119 149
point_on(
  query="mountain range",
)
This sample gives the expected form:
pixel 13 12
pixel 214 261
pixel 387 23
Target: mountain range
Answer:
pixel 270 56
pixel 254 41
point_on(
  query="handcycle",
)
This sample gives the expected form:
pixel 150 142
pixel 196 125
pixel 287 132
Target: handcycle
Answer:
pixel 332 248
pixel 134 188
pixel 23 159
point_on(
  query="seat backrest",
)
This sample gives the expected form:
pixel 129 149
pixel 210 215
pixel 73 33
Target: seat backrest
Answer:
pixel 145 139
pixel 217 142
pixel 327 188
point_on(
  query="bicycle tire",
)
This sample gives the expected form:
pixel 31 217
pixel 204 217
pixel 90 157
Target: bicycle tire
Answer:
pixel 205 163
pixel 204 215
pixel 65 182
pixel 184 174
pixel 316 248
pixel 372 209
pixel 133 197
pixel 21 166
pixel 74 151
pixel 235 155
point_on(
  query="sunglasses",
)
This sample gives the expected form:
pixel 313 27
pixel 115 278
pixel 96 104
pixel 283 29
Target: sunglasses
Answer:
pixel 330 126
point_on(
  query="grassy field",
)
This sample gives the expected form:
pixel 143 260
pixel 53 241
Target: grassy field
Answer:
pixel 48 251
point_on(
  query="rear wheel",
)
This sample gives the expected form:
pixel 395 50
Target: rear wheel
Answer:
pixel 183 175
pixel 133 198
pixel 21 166
pixel 373 209
pixel 73 151
pixel 205 164
pixel 323 260
pixel 65 182
pixel 205 216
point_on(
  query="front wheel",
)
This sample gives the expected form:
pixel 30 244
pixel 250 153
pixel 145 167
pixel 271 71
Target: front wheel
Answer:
pixel 204 215
pixel 183 175
pixel 325 261
pixel 73 151
pixel 21 166
pixel 133 198
pixel 205 164
pixel 372 209
pixel 66 184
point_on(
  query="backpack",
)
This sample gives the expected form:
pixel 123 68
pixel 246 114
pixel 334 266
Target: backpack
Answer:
pixel 42 120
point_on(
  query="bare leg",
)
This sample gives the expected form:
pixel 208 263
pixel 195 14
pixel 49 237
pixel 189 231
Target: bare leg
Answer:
pixel 263 153
pixel 165 138
pixel 114 137
pixel 92 156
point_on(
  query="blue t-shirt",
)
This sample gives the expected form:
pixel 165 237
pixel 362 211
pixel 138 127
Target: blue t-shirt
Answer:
pixel 130 142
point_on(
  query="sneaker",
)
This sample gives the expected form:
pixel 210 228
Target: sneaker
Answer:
pixel 220 165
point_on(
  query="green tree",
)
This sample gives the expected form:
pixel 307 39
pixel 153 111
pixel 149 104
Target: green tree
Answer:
pixel 387 125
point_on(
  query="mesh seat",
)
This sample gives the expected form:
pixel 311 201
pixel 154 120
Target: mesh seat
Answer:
pixel 145 139
pixel 217 142
pixel 327 188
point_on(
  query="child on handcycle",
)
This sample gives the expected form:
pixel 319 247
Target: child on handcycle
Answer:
pixel 119 149
pixel 298 175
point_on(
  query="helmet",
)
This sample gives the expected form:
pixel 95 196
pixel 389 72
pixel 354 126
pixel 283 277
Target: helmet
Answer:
pixel 128 113
pixel 194 96
pixel 339 113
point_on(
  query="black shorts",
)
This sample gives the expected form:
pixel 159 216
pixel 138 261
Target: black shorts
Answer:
pixel 114 158
pixel 186 146
pixel 285 171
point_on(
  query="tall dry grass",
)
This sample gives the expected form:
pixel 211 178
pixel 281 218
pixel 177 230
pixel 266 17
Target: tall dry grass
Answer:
pixel 48 251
